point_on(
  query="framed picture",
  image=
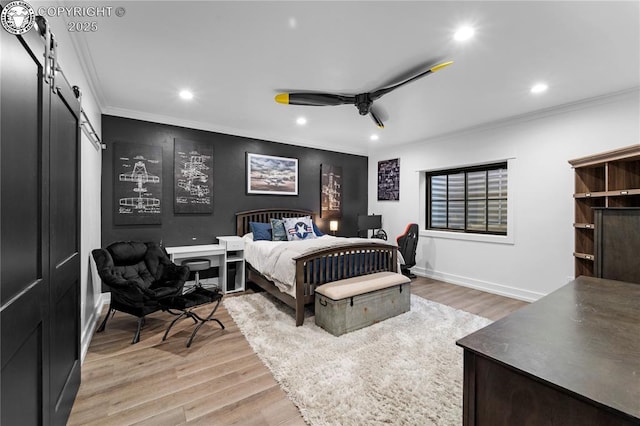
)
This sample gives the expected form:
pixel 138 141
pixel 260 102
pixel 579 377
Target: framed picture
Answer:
pixel 137 186
pixel 271 175
pixel 389 179
pixel 193 177
pixel 330 191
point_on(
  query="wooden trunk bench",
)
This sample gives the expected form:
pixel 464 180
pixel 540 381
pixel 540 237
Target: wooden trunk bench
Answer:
pixel 353 303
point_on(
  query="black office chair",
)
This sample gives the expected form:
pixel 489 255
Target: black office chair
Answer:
pixel 407 244
pixel 138 275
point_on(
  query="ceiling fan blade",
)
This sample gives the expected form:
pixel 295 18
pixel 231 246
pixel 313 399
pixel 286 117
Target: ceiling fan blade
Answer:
pixel 376 119
pixel 313 99
pixel 378 93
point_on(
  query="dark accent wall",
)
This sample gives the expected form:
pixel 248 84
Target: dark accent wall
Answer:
pixel 229 183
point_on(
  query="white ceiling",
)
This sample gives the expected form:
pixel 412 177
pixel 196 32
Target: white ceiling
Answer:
pixel 235 56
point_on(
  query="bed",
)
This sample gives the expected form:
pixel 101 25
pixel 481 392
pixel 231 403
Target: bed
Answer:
pixel 344 258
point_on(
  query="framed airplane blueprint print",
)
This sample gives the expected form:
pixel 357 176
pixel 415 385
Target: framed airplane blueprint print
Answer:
pixel 193 177
pixel 137 186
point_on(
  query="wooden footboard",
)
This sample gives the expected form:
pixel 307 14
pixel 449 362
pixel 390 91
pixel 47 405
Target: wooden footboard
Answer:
pixel 321 266
pixel 337 263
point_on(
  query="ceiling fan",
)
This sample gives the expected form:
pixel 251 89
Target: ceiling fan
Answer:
pixel 362 101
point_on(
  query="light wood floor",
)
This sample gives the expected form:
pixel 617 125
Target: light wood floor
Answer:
pixel 219 380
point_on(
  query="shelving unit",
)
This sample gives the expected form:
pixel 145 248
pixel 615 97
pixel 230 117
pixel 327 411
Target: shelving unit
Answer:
pixel 234 264
pixel 607 179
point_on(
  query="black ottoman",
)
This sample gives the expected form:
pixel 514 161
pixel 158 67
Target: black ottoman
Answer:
pixel 186 302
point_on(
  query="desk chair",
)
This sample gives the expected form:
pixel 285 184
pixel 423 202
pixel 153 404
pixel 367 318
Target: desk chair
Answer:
pixel 407 244
pixel 197 265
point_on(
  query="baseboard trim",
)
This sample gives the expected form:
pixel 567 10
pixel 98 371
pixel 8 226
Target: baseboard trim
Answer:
pixel 489 287
pixel 87 334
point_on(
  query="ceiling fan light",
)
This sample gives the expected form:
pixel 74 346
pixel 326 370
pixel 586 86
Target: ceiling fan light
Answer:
pixel 301 121
pixel 374 137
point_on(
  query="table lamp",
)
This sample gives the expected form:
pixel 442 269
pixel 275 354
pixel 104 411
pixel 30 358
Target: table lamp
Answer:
pixel 333 226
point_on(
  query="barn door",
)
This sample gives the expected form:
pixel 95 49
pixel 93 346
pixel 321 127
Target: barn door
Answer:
pixel 24 240
pixel 64 225
pixel 39 266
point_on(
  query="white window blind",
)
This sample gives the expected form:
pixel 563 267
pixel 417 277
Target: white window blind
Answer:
pixel 468 200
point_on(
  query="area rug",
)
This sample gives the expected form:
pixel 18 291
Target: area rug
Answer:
pixel 404 370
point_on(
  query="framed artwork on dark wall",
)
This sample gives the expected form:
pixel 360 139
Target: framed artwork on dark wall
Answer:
pixel 271 175
pixel 389 179
pixel 193 177
pixel 330 191
pixel 137 185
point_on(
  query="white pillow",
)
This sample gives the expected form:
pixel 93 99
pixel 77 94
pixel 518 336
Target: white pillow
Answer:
pixel 298 228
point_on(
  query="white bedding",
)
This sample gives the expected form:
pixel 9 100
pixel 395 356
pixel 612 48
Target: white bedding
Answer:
pixel 274 259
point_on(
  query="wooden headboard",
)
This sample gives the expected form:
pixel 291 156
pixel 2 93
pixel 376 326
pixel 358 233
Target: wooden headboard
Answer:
pixel 264 216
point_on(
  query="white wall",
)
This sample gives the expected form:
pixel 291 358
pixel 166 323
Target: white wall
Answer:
pixel 91 169
pixel 539 259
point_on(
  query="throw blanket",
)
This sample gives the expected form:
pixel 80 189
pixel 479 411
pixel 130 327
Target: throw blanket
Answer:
pixel 274 259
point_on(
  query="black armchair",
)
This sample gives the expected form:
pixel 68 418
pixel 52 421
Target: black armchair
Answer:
pixel 407 244
pixel 138 276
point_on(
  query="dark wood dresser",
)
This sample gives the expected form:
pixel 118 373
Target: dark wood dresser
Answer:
pixel 571 358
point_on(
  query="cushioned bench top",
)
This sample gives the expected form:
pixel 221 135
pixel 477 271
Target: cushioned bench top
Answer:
pixel 354 286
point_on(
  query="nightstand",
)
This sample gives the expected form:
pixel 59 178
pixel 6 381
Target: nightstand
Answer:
pixel 232 275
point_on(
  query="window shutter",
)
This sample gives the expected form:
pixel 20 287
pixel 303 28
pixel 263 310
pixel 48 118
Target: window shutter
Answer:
pixel 438 210
pixel 471 200
pixel 497 207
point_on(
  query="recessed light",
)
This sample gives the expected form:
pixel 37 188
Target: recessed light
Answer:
pixel 301 121
pixel 186 95
pixel 374 137
pixel 539 88
pixel 464 33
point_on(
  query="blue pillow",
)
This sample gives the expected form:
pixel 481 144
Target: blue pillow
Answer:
pixel 278 233
pixel 317 231
pixel 261 231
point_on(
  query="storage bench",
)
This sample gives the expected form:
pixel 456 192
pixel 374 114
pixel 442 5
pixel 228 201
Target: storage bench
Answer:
pixel 353 303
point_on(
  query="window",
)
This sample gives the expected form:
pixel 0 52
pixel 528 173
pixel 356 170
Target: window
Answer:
pixel 471 199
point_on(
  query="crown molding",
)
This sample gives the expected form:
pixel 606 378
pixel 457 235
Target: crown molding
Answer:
pixel 83 53
pixel 535 115
pixel 163 119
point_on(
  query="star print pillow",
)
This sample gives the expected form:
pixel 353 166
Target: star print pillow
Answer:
pixel 298 228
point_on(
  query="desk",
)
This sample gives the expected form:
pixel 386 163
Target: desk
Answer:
pixel 208 251
pixel 571 358
pixel 216 253
pixel 228 256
